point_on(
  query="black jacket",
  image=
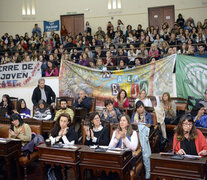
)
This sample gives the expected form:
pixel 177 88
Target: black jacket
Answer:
pixel 36 96
pixel 86 103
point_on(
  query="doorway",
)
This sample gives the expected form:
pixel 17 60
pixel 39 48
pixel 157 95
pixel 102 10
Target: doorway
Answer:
pixel 73 23
pixel 159 15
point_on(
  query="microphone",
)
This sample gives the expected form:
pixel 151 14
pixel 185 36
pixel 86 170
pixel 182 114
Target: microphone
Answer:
pixel 98 148
pixel 177 156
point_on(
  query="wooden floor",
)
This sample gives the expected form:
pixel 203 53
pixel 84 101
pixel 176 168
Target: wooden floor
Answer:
pixel 34 169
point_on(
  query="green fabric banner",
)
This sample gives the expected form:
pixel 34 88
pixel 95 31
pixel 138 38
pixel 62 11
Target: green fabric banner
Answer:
pixel 191 76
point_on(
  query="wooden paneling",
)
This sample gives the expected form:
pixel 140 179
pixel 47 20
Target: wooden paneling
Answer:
pixel 159 15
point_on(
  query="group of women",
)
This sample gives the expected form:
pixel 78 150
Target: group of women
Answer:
pixel 187 139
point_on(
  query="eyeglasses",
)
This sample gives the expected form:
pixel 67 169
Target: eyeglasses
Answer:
pixel 189 125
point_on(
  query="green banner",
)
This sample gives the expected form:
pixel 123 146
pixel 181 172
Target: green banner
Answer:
pixel 155 78
pixel 191 76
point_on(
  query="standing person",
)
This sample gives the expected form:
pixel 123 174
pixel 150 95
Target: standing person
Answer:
pixel 187 139
pixel 110 114
pixel 169 108
pixel 7 104
pixel 62 131
pixel 64 109
pixel 37 30
pixel 143 97
pixel 98 134
pixel 44 92
pixel 121 101
pixel 83 101
pixel 22 109
pixel 180 21
pixel 19 129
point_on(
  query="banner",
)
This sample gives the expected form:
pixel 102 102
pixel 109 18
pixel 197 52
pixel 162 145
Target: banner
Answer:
pixel 155 78
pixel 191 76
pixel 19 74
pixel 48 26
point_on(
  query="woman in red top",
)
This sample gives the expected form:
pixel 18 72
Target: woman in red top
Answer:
pixel 188 139
pixel 121 100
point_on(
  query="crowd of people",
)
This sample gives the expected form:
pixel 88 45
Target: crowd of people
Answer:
pixel 124 136
pixel 118 47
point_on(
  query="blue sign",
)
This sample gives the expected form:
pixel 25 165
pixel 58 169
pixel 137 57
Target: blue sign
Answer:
pixel 48 26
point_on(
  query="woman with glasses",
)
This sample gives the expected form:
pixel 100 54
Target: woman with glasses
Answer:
pixel 188 139
pixel 97 134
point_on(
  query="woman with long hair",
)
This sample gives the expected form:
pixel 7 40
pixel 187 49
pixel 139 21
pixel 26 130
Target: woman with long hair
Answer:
pixel 169 107
pixel 121 101
pixel 51 69
pixel 143 97
pixel 62 131
pixel 22 109
pixel 7 104
pixel 124 136
pixel 97 134
pixel 187 139
pixel 19 129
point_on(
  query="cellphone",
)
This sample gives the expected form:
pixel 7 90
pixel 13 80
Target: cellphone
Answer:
pixel 12 127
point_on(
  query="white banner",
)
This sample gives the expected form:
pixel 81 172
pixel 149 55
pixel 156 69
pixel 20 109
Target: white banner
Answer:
pixel 19 74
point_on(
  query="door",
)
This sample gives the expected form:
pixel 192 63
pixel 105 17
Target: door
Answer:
pixel 73 23
pixel 159 15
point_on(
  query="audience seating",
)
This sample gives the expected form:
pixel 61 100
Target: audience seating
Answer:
pixel 181 103
pixel 93 107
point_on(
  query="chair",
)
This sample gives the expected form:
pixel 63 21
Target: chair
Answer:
pixel 24 161
pixel 93 107
pixel 14 101
pixel 181 103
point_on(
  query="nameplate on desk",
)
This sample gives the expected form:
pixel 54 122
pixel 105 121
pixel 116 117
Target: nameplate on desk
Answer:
pixel 95 146
pixel 166 154
pixel 191 156
pixel 69 146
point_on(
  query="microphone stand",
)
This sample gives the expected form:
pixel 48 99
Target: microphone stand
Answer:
pixel 98 148
pixel 178 156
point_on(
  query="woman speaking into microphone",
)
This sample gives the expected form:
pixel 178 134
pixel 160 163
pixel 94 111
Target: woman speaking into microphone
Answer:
pixel 187 139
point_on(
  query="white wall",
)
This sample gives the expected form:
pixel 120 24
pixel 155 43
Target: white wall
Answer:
pixel 26 92
pixel 133 12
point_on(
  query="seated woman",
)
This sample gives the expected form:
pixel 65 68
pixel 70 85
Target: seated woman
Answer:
pixel 187 139
pixel 121 100
pixel 98 134
pixel 200 118
pixel 140 115
pixel 42 112
pixel 143 97
pixel 110 114
pixel 7 104
pixel 19 129
pixel 169 108
pixel 22 109
pixel 124 136
pixel 62 131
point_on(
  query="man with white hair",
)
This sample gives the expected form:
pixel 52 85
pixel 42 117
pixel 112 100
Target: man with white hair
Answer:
pixel 44 92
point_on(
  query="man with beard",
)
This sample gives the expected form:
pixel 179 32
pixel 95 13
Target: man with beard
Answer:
pixel 64 109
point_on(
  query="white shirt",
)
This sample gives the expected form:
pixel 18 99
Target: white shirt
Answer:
pixel 147 102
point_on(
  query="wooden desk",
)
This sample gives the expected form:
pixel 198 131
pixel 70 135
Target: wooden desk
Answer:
pixel 105 161
pixel 11 150
pixel 167 168
pixel 59 156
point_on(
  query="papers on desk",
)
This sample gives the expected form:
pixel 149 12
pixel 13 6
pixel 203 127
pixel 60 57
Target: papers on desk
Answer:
pixel 3 140
pixel 111 151
pixel 69 146
pixel 95 146
pixel 192 156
